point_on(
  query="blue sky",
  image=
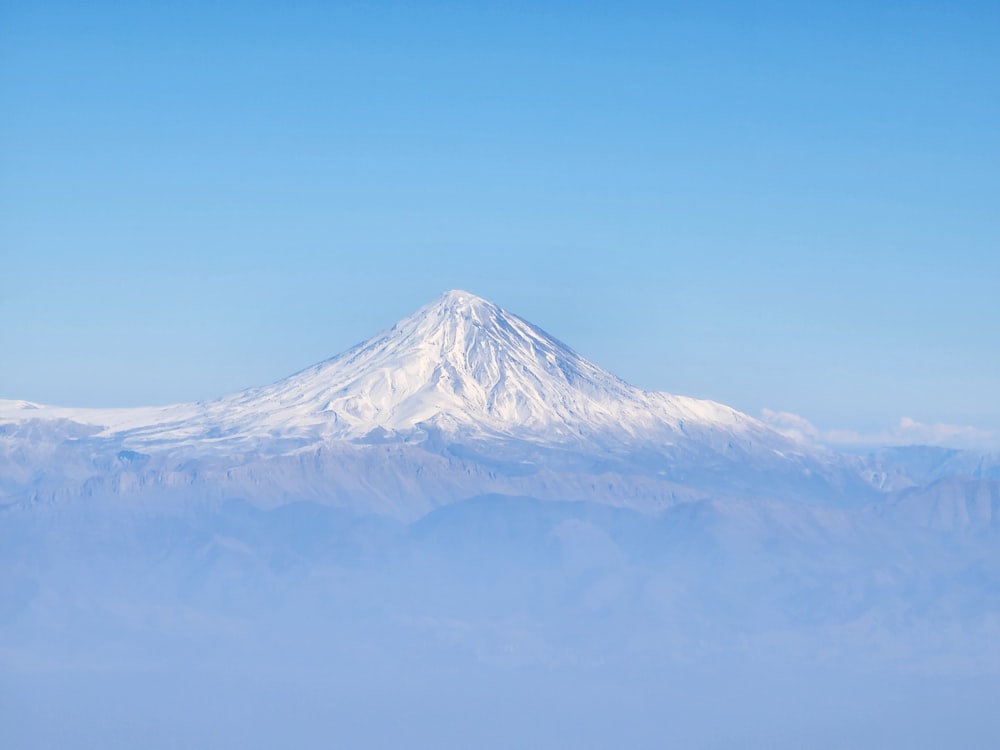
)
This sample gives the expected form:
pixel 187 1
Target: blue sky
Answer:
pixel 769 204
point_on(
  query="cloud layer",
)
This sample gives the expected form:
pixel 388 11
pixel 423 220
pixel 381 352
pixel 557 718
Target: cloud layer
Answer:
pixel 905 432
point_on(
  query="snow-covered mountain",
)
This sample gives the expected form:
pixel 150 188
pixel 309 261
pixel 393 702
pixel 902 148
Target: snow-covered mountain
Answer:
pixel 460 398
pixel 462 364
pixel 459 365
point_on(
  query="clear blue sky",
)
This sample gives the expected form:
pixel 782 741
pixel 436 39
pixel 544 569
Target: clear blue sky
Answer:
pixel 769 204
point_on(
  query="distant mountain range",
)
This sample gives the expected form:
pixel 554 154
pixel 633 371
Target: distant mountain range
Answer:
pixel 461 399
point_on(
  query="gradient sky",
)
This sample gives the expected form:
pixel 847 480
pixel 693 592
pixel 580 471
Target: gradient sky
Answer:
pixel 774 205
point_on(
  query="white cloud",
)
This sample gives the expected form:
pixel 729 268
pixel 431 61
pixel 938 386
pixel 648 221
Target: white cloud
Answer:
pixel 905 432
pixel 791 425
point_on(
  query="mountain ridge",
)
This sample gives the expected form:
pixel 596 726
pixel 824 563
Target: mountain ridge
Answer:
pixel 460 398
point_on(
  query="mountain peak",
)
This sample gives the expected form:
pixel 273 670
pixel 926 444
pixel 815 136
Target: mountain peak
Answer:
pixel 459 304
pixel 458 298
